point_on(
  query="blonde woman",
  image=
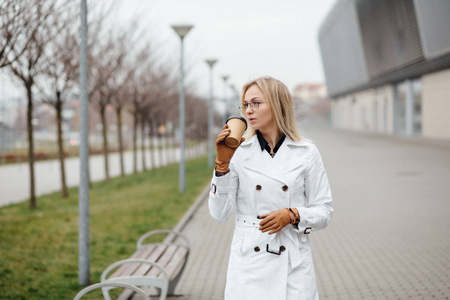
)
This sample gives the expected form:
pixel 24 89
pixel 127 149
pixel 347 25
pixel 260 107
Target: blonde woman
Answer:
pixel 276 183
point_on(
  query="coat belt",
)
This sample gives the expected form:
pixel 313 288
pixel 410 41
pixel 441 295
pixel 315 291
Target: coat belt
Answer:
pixel 247 221
pixel 286 236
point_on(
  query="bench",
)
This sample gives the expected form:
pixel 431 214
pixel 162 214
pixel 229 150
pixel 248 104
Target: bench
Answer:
pixel 111 285
pixel 157 265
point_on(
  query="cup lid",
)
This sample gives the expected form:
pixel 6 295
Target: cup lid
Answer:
pixel 236 117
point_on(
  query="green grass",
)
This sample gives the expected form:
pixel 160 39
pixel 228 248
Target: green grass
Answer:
pixel 39 248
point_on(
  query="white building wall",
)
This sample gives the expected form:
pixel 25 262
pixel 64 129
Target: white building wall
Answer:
pixel 370 110
pixel 436 105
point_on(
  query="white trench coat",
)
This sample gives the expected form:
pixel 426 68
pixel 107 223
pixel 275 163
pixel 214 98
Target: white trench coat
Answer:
pixel 258 184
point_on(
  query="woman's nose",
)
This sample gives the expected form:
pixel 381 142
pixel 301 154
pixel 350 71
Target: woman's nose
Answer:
pixel 248 110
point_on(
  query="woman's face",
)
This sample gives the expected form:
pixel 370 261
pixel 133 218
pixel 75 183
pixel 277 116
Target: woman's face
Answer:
pixel 262 119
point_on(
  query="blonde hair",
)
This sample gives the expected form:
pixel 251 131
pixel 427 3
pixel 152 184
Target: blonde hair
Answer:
pixel 281 105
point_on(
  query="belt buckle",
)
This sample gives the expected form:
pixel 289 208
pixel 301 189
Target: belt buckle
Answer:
pixel 282 248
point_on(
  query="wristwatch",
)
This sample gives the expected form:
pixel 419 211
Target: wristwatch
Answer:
pixel 218 174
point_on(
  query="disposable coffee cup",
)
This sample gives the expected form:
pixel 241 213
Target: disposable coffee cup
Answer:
pixel 237 126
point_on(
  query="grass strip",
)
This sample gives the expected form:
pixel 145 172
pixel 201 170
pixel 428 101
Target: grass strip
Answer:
pixel 39 248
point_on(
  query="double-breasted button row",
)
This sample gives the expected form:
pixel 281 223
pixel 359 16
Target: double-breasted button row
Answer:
pixel 257 249
pixel 284 188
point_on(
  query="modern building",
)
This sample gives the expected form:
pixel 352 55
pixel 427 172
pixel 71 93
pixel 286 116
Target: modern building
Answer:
pixel 387 66
pixel 309 93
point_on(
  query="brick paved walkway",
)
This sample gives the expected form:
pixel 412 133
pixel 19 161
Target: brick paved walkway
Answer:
pixel 389 238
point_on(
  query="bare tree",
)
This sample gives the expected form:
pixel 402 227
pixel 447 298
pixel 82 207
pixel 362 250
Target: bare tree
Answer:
pixel 60 69
pixel 140 94
pixel 123 82
pixel 38 25
pixel 14 17
pixel 163 106
pixel 196 117
pixel 107 60
pixel 120 102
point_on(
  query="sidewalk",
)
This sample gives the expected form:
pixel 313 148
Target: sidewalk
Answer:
pixel 15 183
pixel 389 238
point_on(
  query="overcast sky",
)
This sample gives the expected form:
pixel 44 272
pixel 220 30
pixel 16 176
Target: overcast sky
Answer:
pixel 248 37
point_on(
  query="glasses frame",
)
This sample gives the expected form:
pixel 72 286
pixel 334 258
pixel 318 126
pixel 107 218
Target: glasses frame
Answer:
pixel 254 106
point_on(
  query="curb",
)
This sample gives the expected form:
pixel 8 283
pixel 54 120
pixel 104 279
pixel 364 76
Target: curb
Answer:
pixel 188 215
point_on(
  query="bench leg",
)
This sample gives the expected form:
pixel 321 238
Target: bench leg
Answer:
pixel 105 292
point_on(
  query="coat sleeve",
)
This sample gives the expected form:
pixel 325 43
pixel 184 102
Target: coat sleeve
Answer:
pixel 318 212
pixel 222 195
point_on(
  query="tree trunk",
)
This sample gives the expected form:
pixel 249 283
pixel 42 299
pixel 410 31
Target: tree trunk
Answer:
pixel 172 151
pixel 105 140
pixel 33 204
pixel 144 161
pixel 151 149
pixel 64 191
pixel 166 148
pixel 119 133
pixel 135 128
pixel 155 143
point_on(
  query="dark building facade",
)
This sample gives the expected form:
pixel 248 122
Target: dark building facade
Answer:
pixel 387 66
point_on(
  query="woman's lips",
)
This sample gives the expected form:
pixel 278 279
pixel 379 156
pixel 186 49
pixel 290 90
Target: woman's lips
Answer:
pixel 251 119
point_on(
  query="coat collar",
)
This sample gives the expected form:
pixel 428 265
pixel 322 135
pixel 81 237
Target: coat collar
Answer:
pixel 254 140
pixel 285 161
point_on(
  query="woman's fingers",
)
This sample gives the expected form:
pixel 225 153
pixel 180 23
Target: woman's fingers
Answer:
pixel 275 230
pixel 265 219
pixel 268 226
pixel 222 135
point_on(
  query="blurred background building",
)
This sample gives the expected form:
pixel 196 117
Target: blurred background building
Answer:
pixel 311 99
pixel 387 66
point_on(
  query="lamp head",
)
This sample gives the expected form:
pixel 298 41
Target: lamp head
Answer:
pixel 211 62
pixel 182 30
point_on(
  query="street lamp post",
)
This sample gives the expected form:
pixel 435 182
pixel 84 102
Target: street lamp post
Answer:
pixel 83 195
pixel 225 100
pixel 182 31
pixel 234 98
pixel 211 63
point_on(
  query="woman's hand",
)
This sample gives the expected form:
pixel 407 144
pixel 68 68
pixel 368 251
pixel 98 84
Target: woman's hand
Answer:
pixel 275 220
pixel 224 153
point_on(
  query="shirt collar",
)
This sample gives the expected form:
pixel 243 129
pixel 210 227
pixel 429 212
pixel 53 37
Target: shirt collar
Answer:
pixel 265 145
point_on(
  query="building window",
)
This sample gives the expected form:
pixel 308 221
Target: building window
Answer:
pixel 408 108
pixel 417 110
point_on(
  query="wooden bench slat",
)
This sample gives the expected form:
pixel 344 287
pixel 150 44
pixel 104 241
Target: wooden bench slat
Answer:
pixel 145 268
pixel 128 268
pixel 153 257
pixel 126 294
pixel 177 261
pixel 163 261
pixel 169 257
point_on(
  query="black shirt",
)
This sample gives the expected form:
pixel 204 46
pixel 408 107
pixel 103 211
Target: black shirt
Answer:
pixel 265 145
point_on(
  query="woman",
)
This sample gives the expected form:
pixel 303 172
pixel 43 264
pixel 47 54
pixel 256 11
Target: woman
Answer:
pixel 277 184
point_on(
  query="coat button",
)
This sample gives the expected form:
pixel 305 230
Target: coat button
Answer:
pixel 285 188
pixel 258 187
pixel 282 248
pixel 256 249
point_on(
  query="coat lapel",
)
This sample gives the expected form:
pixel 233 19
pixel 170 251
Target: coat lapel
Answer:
pixel 285 161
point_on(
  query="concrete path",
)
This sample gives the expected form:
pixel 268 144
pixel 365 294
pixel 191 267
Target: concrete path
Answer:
pixel 390 235
pixel 15 182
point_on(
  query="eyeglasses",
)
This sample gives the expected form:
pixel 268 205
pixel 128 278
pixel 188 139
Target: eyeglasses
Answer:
pixel 253 105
